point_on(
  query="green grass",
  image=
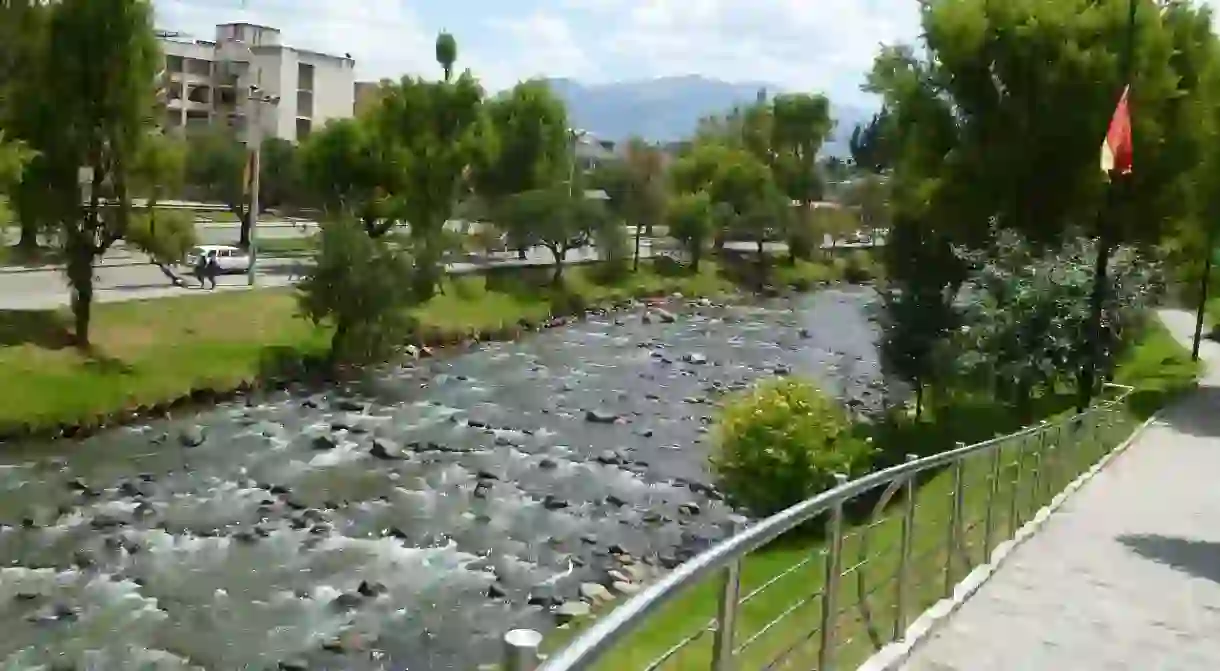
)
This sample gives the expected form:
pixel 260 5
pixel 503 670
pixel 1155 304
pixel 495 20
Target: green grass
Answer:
pixel 153 351
pixel 295 246
pixel 1031 472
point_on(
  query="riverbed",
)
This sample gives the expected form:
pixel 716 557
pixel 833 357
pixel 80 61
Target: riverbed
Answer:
pixel 405 522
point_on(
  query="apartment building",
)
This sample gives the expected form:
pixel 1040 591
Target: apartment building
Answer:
pixel 210 83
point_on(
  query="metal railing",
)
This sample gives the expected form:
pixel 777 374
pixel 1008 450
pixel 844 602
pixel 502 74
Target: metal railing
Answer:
pixel 894 542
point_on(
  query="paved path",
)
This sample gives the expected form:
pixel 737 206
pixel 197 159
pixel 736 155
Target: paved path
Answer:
pixel 1126 575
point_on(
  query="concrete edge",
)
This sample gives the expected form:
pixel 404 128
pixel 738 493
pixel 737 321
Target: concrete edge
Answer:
pixel 894 655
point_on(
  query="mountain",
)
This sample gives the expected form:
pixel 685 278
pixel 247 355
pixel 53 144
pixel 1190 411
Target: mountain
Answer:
pixel 669 108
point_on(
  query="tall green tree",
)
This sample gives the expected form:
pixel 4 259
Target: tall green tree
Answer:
pixel 216 171
pixel 345 169
pixel 532 150
pixel 98 95
pixel 800 124
pixel 868 144
pixel 434 134
pixel 23 38
pixel 644 195
pixel 555 218
pixel 691 219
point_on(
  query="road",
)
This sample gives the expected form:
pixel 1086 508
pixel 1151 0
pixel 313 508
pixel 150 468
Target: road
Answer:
pixel 47 288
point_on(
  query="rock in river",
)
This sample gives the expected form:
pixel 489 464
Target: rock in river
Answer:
pixel 600 417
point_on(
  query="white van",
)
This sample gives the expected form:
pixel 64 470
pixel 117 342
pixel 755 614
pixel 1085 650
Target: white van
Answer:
pixel 229 259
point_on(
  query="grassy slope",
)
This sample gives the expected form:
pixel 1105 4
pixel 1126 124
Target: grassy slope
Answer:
pixel 157 350
pixel 1158 367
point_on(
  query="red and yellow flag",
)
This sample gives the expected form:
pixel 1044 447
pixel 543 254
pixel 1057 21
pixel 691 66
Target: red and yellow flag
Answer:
pixel 1117 150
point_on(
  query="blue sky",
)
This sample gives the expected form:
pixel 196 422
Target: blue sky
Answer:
pixel 815 45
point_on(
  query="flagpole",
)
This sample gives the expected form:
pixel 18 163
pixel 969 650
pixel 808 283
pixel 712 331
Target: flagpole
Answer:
pixel 1204 285
pixel 1104 230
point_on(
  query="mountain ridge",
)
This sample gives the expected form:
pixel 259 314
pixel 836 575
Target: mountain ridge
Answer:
pixel 666 109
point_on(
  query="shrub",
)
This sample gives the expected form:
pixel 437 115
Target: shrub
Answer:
pixel 783 442
pixel 361 287
pixel 859 267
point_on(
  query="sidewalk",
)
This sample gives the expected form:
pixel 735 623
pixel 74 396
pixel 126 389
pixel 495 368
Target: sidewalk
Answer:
pixel 1126 575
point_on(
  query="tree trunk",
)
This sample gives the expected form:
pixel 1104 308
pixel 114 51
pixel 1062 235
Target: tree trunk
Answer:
pixel 29 218
pixel 918 400
pixel 559 254
pixel 244 215
pixel 762 264
pixel 521 253
pixel 337 342
pixel 80 278
pixel 695 252
pixel 635 263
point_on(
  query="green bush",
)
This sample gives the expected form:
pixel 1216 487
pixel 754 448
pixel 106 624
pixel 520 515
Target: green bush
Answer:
pixel 783 442
pixel 859 267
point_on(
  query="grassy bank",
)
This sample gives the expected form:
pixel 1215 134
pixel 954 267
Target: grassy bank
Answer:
pixel 149 352
pixel 1158 367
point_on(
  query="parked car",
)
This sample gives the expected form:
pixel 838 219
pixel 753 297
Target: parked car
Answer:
pixel 229 259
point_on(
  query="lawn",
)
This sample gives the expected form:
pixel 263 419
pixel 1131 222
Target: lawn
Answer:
pixel 782 585
pixel 154 351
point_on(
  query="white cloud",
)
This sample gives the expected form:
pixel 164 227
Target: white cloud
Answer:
pixel 822 45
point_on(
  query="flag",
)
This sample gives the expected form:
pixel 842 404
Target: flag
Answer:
pixel 1117 150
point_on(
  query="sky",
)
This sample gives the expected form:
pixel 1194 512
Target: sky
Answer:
pixel 821 46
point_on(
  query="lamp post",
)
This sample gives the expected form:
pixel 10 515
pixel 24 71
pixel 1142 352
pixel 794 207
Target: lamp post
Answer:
pixel 256 167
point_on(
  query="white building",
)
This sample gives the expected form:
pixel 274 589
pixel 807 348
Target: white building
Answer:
pixel 210 83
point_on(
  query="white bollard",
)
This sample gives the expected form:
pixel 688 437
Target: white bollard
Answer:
pixel 521 650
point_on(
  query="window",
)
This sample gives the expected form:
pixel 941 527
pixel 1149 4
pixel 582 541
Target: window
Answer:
pixel 305 103
pixel 304 126
pixel 305 76
pixel 173 64
pixel 199 67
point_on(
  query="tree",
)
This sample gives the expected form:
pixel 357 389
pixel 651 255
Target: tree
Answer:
pixel 160 169
pixel 869 149
pixel 446 53
pixel 1026 308
pixel 869 196
pixel 280 180
pixel 96 93
pixel 691 218
pixel 644 193
pixel 361 287
pixel 800 124
pixel 554 218
pixel 532 150
pixel 14 156
pixel 343 165
pixel 217 170
pixel 23 25
pixel 433 134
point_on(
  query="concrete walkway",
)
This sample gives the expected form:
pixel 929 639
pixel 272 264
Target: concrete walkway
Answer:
pixel 1126 575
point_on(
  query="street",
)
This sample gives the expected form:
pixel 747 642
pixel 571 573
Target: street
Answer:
pixel 47 288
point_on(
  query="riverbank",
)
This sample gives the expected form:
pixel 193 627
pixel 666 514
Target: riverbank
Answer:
pixel 1158 367
pixel 155 355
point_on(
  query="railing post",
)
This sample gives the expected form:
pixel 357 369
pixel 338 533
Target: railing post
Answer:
pixel 726 611
pixel 992 490
pixel 904 557
pixel 1035 490
pixel 1014 507
pixel 521 650
pixel 955 521
pixel 830 585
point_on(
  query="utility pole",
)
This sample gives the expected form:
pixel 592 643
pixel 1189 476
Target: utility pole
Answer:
pixel 256 168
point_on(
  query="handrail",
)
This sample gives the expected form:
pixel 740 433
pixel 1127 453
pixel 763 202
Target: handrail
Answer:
pixel 602 635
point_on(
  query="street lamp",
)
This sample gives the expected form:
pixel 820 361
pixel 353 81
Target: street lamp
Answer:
pixel 256 167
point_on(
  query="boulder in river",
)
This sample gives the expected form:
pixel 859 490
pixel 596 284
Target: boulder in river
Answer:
pixel 572 610
pixel 324 442
pixel 665 316
pixel 695 358
pixel 192 437
pixel 385 450
pixel 600 417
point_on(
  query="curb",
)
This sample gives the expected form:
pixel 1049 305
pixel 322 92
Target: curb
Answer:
pixel 895 655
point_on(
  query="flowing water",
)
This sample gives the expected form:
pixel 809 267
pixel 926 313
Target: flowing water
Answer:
pixel 405 523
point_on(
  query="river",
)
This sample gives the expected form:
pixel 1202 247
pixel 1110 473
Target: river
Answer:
pixel 405 522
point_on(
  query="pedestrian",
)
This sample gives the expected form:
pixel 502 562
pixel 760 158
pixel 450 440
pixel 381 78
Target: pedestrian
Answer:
pixel 212 270
pixel 201 269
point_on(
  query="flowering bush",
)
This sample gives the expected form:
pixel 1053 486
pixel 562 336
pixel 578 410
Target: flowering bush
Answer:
pixel 783 442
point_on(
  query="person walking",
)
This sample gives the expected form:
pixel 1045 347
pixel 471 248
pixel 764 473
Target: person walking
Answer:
pixel 212 270
pixel 201 269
